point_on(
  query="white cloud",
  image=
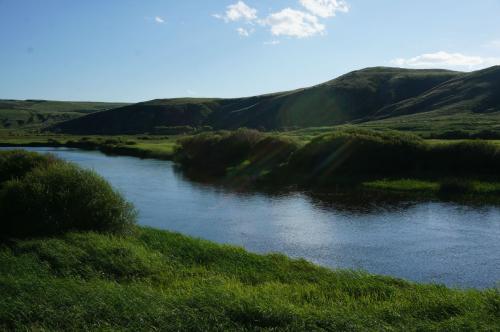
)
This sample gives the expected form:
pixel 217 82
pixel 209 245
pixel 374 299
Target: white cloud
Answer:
pixel 238 11
pixel 245 32
pixel 286 22
pixel 294 23
pixel 325 8
pixel 447 60
pixel 159 20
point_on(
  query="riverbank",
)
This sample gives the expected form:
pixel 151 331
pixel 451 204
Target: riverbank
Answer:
pixel 350 160
pixel 156 280
pixel 72 259
pixel 154 147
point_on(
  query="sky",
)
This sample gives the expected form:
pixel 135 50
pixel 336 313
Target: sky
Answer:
pixel 137 50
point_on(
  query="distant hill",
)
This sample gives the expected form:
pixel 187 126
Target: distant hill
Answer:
pixel 354 96
pixel 32 114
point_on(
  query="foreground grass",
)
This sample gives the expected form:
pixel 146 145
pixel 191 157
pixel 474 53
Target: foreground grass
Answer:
pixel 155 280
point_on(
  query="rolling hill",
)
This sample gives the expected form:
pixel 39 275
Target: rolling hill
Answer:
pixel 351 97
pixel 477 92
pixel 33 114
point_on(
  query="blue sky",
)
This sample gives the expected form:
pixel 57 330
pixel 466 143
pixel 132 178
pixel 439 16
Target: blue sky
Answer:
pixel 135 50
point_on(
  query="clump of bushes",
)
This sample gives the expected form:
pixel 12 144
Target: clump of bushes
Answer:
pixel 52 197
pixel 344 155
pixel 357 152
pixel 478 157
pixel 216 152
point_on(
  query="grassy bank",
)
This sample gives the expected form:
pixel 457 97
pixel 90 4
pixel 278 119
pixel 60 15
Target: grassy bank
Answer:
pixel 71 259
pixel 155 280
pixel 320 158
pixel 142 146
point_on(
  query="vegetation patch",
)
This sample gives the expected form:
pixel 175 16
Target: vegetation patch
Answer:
pixel 349 157
pixel 45 196
pixel 155 280
pixel 247 151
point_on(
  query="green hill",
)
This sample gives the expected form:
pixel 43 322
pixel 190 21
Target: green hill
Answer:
pixel 466 105
pixel 354 96
pixel 477 92
pixel 33 114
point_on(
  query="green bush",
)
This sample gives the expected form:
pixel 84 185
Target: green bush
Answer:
pixel 15 164
pixel 215 152
pixel 357 152
pixel 59 198
pixel 464 158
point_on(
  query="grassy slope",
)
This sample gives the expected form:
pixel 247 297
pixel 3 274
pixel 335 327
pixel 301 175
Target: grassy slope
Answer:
pixel 354 96
pixel 32 114
pixel 475 92
pixel 157 280
pixel 468 103
pixel 438 123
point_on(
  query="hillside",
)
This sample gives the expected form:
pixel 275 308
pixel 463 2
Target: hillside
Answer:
pixel 32 114
pixel 357 95
pixel 477 92
pixel 468 104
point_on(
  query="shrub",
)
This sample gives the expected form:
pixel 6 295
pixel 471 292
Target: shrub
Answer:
pixel 15 164
pixel 272 151
pixel 59 198
pixel 464 157
pixel 215 152
pixel 357 152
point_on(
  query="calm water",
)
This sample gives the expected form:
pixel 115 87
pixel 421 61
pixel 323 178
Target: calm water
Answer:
pixel 426 242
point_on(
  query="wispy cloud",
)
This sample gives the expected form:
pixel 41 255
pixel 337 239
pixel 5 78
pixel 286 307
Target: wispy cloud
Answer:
pixel 288 22
pixel 325 8
pixel 444 59
pixel 159 20
pixel 245 32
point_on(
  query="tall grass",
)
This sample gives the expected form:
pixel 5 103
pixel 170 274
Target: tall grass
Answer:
pixel 162 281
pixel 15 164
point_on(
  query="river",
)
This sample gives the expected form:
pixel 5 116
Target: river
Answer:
pixel 431 242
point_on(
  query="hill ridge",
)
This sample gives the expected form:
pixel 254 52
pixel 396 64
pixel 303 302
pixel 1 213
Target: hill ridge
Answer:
pixel 363 95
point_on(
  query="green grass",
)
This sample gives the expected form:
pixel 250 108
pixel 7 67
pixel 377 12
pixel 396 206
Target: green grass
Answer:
pixel 403 185
pixel 416 185
pixel 160 147
pixel 155 280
